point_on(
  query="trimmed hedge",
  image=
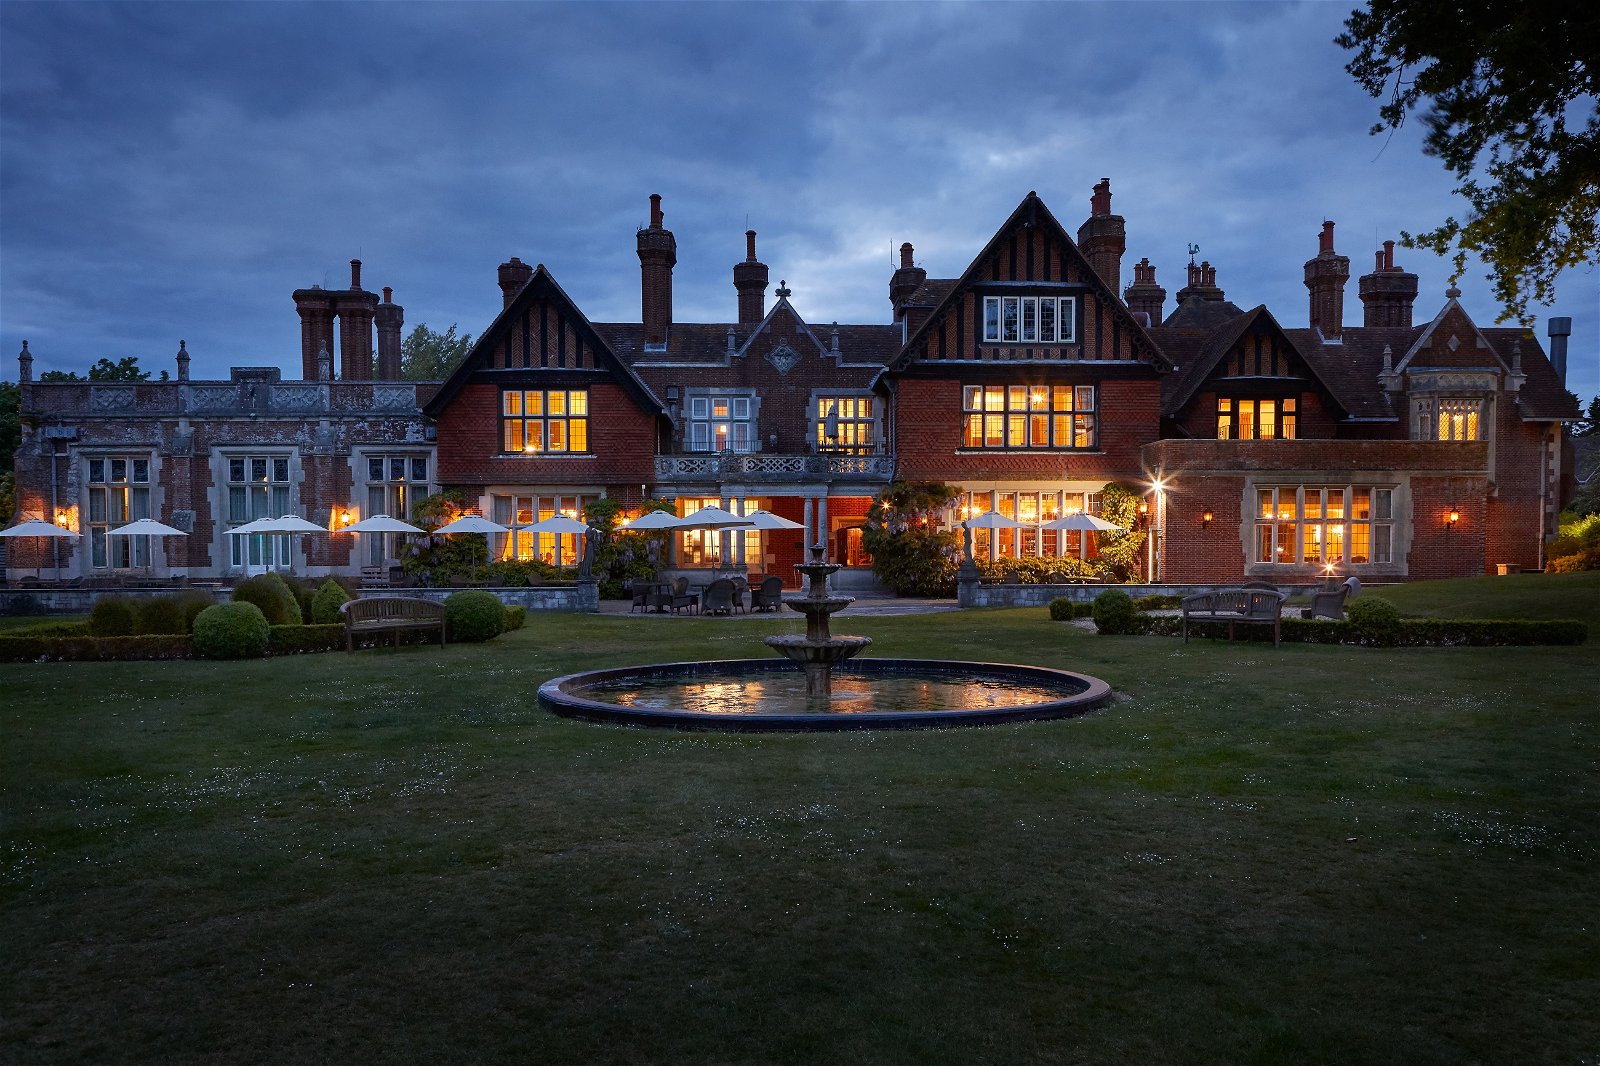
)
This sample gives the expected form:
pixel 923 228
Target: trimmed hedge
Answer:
pixel 516 615
pixel 231 631
pixel 1114 612
pixel 298 640
pixel 474 615
pixel 161 614
pixel 1408 633
pixel 112 616
pixel 26 649
pixel 1064 610
pixel 62 628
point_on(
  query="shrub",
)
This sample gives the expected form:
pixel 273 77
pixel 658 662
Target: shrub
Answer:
pixel 193 604
pixel 112 616
pixel 296 640
pixel 236 630
pixel 1588 559
pixel 1032 570
pixel 271 594
pixel 1158 603
pixel 1114 613
pixel 16 649
pixel 1376 619
pixel 63 628
pixel 473 615
pixel 1061 609
pixel 161 614
pixel 516 615
pixel 325 604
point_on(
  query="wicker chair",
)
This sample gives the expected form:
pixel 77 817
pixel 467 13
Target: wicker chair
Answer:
pixel 680 597
pixel 768 596
pixel 1330 605
pixel 718 597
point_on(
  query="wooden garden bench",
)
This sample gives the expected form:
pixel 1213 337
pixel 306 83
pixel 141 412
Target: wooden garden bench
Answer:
pixel 383 614
pixel 1251 607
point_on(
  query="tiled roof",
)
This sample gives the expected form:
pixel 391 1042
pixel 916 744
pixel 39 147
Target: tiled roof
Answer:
pixel 1350 369
pixel 932 291
pixel 1542 396
pixel 707 342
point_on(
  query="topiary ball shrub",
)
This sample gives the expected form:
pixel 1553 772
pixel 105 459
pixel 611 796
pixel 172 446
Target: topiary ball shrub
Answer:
pixel 1376 619
pixel 231 631
pixel 1061 609
pixel 325 604
pixel 272 595
pixel 161 614
pixel 474 615
pixel 1114 612
pixel 516 617
pixel 112 616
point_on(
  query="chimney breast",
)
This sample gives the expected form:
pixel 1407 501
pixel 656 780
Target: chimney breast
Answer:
pixel 905 282
pixel 1103 237
pixel 750 281
pixel 1388 293
pixel 658 254
pixel 513 274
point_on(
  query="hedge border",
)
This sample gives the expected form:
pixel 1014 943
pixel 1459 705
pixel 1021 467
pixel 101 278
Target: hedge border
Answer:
pixel 1412 632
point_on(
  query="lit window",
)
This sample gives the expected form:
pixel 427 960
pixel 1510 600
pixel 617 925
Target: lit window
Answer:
pixel 1029 416
pixel 1240 419
pixel 720 423
pixel 1029 319
pixel 544 421
pixel 845 425
pixel 1321 524
pixel 394 484
pixel 1459 419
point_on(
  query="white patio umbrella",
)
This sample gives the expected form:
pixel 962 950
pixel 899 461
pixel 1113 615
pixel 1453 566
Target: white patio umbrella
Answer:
pixel 992 520
pixel 380 523
pixel 472 523
pixel 651 521
pixel 714 518
pixel 146 527
pixel 1085 523
pixel 38 527
pixel 558 523
pixel 250 529
pixel 288 524
pixel 766 520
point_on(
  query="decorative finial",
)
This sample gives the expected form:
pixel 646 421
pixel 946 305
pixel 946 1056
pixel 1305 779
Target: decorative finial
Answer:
pixel 1452 293
pixel 782 292
pixel 25 363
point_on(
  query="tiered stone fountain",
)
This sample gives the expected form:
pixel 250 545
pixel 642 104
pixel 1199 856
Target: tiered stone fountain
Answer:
pixel 764 694
pixel 818 650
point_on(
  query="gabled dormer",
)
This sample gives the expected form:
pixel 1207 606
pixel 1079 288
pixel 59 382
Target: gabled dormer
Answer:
pixel 1451 376
pixel 1248 381
pixel 1031 297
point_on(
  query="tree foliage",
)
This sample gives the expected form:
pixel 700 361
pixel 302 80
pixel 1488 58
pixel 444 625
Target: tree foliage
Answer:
pixel 1119 552
pixel 1507 90
pixel 124 369
pixel 10 438
pixel 429 356
pixel 910 554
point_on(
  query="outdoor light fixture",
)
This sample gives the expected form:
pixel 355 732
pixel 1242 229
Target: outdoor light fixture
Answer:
pixel 345 517
pixel 1452 518
pixel 1205 519
pixel 61 519
pixel 1144 506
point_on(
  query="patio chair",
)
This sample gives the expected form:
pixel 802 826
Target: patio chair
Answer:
pixel 1330 605
pixel 768 596
pixel 719 597
pixel 640 590
pixel 741 588
pixel 680 597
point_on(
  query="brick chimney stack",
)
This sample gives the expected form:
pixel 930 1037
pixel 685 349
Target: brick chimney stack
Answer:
pixel 1103 236
pixel 514 274
pixel 390 318
pixel 1325 278
pixel 658 254
pixel 1202 283
pixel 905 282
pixel 1387 294
pixel 355 308
pixel 750 280
pixel 315 306
pixel 1144 295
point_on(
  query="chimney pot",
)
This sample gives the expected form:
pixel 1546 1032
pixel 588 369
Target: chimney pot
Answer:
pixel 1325 240
pixel 1559 329
pixel 355 273
pixel 750 245
pixel 906 252
pixel 655 210
pixel 388 295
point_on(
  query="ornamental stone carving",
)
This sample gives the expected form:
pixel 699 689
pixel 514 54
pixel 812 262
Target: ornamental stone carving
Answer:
pixel 112 398
pixel 296 397
pixel 394 397
pixel 783 357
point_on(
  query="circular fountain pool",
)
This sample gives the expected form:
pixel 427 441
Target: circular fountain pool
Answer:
pixel 747 695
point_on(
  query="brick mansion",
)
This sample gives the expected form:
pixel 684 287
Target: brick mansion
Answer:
pixel 1415 444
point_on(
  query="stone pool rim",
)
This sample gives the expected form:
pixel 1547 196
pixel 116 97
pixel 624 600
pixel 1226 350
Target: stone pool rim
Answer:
pixel 1092 693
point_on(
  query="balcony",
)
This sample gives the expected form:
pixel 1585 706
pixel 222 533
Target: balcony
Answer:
pixel 766 469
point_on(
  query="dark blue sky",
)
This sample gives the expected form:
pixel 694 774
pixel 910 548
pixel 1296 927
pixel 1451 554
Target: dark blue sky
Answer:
pixel 175 171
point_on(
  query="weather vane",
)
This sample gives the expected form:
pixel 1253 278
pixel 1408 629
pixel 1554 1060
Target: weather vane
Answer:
pixel 1194 249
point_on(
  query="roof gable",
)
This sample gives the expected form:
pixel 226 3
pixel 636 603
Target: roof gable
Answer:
pixel 1030 251
pixel 542 330
pixel 1249 347
pixel 1451 340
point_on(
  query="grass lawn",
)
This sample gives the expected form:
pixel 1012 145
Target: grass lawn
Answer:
pixel 1256 855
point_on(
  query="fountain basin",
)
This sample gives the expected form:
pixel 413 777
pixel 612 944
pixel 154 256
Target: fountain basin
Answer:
pixel 803 649
pixel 768 695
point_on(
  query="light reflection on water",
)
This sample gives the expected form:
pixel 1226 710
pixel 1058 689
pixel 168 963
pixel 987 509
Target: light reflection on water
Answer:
pixel 784 692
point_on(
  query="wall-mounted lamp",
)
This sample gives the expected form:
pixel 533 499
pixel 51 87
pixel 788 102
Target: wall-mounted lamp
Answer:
pixel 1452 518
pixel 1144 506
pixel 1205 519
pixel 61 519
pixel 345 517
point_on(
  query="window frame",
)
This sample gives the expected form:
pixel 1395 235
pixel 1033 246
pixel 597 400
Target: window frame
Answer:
pixel 1020 319
pixel 705 430
pixel 558 415
pixel 1296 525
pixel 1015 417
pixel 1284 423
pixel 855 432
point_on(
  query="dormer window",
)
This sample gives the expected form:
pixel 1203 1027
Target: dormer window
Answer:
pixel 1239 419
pixel 1029 319
pixel 1459 419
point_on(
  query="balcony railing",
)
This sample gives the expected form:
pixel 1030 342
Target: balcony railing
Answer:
pixel 774 469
